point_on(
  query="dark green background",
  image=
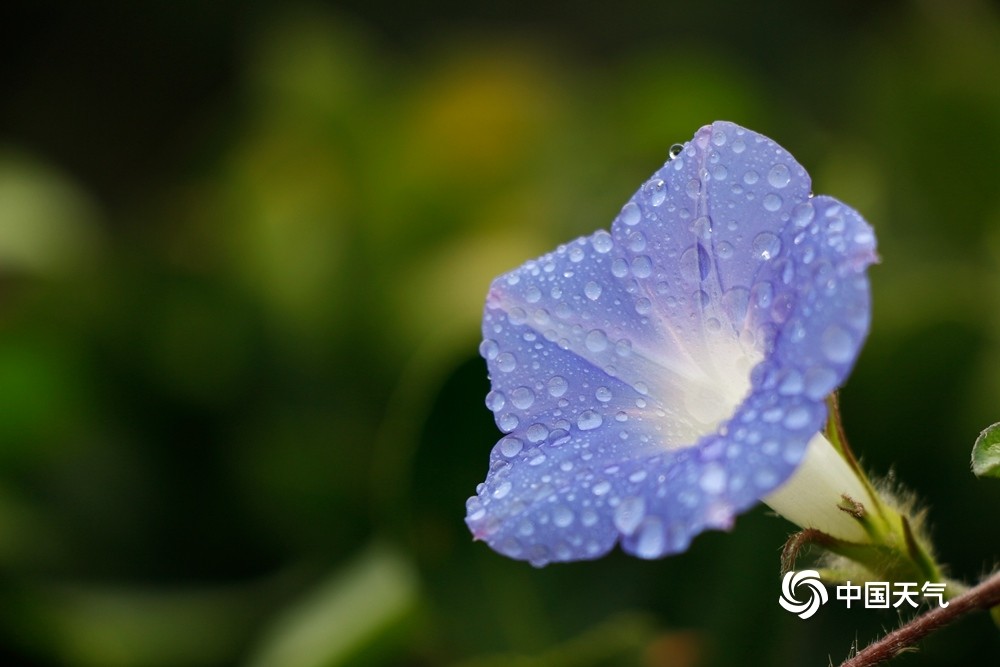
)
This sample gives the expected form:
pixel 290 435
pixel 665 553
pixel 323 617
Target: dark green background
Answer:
pixel 243 254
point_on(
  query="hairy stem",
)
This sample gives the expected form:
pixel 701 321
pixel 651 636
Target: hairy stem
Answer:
pixel 982 597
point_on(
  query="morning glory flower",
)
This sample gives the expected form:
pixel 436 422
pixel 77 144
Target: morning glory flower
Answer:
pixel 654 381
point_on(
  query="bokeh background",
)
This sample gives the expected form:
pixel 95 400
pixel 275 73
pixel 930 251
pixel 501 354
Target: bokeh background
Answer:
pixel 243 254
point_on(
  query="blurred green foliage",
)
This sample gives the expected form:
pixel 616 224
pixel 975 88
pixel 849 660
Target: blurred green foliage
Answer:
pixel 244 251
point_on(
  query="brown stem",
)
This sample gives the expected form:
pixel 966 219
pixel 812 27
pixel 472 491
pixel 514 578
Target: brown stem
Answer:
pixel 982 597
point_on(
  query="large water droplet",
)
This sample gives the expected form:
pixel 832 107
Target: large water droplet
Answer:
pixel 651 539
pixel 506 362
pixel 642 266
pixel 779 176
pixel 751 177
pixel 562 516
pixel 693 188
pixel 713 478
pixel 803 214
pixel 819 382
pixel 629 514
pixel 798 417
pixel 603 394
pixel 601 488
pixel 489 349
pixel 631 215
pixel 495 400
pixel 592 290
pixel 619 268
pixel 602 241
pixel 838 344
pixel 658 192
pixel 596 340
pixel 522 398
pixel 636 242
pixel 537 432
pixel 643 306
pixel 511 446
pixel 557 386
pixel 507 422
pixel 772 202
pixel 502 490
pixel 589 420
pixel 695 263
pixel 766 246
pixel 676 150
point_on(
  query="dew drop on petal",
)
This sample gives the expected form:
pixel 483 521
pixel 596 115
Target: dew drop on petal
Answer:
pixel 750 177
pixel 676 150
pixel 643 306
pixel 537 433
pixel 693 188
pixel 651 538
pixel 630 214
pixel 601 488
pixel 695 263
pixel 713 478
pixel 629 514
pixel 557 386
pixel 819 382
pixel 589 420
pixel 779 176
pixel 511 446
pixel 596 340
pixel 489 349
pixel 592 290
pixel 642 266
pixel 506 362
pixel 772 202
pixel 792 384
pixel 495 400
pixel 803 214
pixel 507 422
pixel 658 192
pixel 766 246
pixel 837 343
pixel 502 490
pixel 522 398
pixel 798 417
pixel 562 516
pixel 602 242
pixel 603 394
pixel 619 268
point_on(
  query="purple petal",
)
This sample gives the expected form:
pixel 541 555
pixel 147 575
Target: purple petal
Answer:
pixel 657 380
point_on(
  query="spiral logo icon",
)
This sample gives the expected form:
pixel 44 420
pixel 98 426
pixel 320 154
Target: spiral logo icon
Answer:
pixel 808 579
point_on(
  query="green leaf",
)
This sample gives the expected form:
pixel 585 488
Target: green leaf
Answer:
pixel 986 453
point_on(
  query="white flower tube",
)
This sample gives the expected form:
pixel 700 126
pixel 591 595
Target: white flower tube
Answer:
pixel 812 495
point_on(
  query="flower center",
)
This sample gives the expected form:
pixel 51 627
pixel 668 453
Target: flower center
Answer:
pixel 698 396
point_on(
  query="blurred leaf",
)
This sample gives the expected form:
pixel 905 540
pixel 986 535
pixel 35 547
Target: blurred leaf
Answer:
pixel 344 616
pixel 47 223
pixel 986 453
pixel 109 627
